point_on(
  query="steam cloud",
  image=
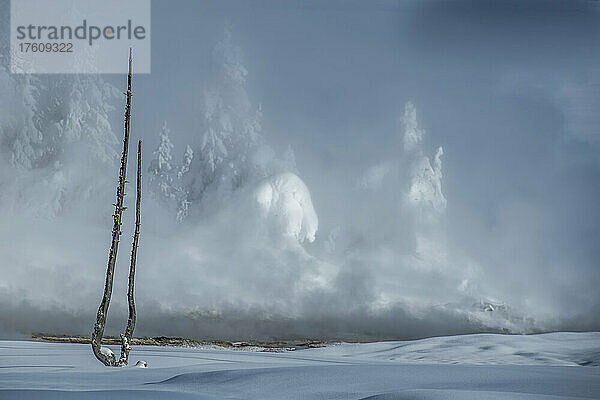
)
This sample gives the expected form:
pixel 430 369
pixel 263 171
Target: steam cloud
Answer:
pixel 401 249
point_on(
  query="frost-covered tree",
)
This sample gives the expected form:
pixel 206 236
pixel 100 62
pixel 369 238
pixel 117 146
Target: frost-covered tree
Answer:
pixel 183 202
pixel 232 157
pixel 426 183
pixel 55 135
pixel 57 115
pixel 413 134
pixel 232 127
pixel 425 187
pixel 167 176
pixel 161 171
pixel 416 178
pixel 20 137
pixel 163 152
pixel 424 202
pixel 73 115
pixel 188 156
pixel 47 118
pixel 88 121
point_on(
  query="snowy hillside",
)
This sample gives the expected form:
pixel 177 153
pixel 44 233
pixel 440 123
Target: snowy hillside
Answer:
pixel 516 367
pixel 483 349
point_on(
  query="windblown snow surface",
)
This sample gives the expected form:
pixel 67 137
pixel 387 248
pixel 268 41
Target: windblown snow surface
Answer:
pixel 483 366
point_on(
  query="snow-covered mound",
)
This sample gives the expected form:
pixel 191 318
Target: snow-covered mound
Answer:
pixel 34 370
pixel 545 349
pixel 285 198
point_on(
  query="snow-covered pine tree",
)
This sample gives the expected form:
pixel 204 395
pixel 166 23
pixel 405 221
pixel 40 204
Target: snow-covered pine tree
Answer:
pixel 161 170
pixel 54 114
pixel 232 153
pixel 425 200
pixel 183 203
pixel 425 190
pixel 21 140
pixel 188 156
pixel 19 137
pixel 167 176
pixel 91 100
pixel 72 113
pixel 232 127
pixel 54 130
pixel 413 134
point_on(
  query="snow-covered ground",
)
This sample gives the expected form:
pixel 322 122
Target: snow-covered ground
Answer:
pixel 549 366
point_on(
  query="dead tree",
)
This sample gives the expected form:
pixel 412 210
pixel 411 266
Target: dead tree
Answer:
pixel 104 354
pixel 126 337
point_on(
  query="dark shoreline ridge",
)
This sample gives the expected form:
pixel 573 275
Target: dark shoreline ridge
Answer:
pixel 183 342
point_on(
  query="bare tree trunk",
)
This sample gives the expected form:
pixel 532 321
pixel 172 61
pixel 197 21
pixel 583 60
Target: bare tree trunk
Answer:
pixel 105 355
pixel 126 337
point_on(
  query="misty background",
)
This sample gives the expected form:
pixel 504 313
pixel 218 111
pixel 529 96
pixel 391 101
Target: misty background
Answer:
pixel 388 169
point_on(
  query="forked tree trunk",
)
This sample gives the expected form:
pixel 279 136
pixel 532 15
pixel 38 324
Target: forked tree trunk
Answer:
pixel 126 337
pixel 105 355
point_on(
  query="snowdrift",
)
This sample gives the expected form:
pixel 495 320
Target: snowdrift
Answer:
pixel 425 369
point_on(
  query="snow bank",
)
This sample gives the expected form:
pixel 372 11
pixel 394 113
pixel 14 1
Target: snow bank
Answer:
pixel 568 349
pixel 33 370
